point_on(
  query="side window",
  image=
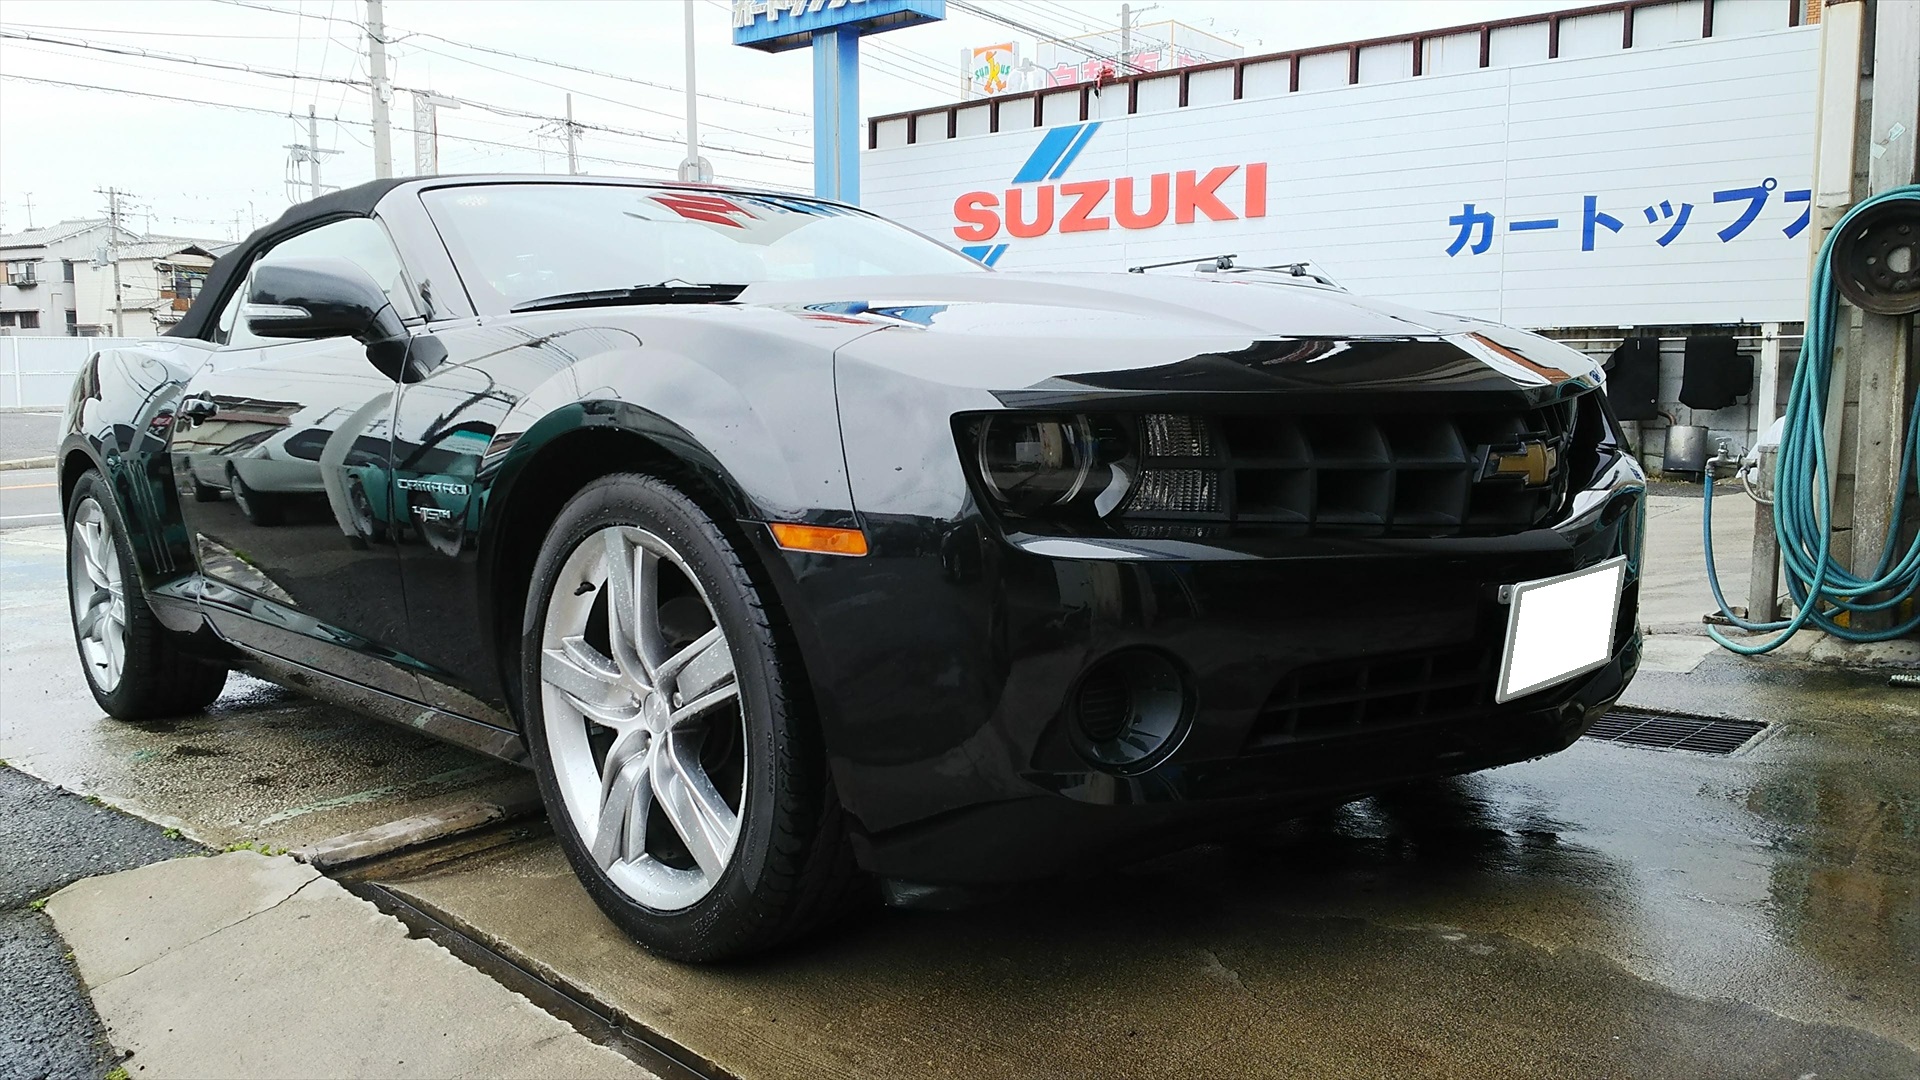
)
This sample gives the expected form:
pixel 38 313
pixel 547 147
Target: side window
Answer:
pixel 359 240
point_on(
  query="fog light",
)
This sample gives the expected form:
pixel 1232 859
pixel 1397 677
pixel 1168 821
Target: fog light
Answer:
pixel 1129 710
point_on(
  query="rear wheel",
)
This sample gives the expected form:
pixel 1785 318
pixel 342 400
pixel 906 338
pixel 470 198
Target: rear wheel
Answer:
pixel 133 665
pixel 664 716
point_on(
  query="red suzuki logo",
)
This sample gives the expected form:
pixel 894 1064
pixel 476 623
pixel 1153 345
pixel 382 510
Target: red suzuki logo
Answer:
pixel 1083 206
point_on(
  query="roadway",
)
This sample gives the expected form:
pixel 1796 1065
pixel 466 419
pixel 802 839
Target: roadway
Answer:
pixel 1609 910
pixel 28 497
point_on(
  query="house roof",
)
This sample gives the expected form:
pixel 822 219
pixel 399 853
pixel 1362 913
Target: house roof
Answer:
pixel 51 234
pixel 161 247
pixel 148 247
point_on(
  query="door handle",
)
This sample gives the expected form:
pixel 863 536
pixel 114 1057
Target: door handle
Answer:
pixel 198 407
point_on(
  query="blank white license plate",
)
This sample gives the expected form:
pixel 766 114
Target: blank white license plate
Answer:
pixel 1560 627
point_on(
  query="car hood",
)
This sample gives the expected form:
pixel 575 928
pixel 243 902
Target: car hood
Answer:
pixel 1075 305
pixel 1008 331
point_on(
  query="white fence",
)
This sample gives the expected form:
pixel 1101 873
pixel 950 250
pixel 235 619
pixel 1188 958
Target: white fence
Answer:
pixel 38 371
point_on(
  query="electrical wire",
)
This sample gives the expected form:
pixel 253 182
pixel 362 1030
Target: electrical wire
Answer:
pixel 172 58
pixel 278 73
pixel 1824 590
pixel 1120 63
pixel 403 34
pixel 257 110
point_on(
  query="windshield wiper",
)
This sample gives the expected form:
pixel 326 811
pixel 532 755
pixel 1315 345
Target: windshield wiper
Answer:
pixel 679 292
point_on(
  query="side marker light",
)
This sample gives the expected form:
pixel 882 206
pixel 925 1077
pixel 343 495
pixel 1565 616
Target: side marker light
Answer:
pixel 819 538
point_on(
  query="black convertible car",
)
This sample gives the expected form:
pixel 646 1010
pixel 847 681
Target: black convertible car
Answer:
pixel 792 549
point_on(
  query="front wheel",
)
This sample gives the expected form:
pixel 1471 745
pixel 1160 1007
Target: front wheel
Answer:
pixel 133 666
pixel 258 509
pixel 666 722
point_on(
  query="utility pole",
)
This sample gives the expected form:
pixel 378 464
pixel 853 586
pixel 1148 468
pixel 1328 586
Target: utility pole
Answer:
pixel 29 201
pixel 695 169
pixel 114 196
pixel 382 91
pixel 310 152
pixel 1127 18
pixel 313 154
pixel 573 142
pixel 1881 344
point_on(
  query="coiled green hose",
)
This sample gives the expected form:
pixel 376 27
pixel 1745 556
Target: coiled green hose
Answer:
pixel 1821 588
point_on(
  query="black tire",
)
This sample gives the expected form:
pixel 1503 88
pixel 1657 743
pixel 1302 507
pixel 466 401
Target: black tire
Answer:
pixel 259 509
pixel 792 869
pixel 205 493
pixel 157 677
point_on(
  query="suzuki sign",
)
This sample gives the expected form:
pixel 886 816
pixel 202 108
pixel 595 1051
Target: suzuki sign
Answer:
pixel 1663 185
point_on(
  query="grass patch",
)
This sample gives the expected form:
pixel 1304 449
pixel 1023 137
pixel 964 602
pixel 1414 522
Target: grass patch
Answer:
pixel 258 846
pixel 171 834
pixel 38 905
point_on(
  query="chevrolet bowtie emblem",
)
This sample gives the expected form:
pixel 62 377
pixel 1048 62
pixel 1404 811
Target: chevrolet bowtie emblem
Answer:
pixel 1533 463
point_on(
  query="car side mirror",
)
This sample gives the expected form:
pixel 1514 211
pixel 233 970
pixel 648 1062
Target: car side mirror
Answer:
pixel 319 298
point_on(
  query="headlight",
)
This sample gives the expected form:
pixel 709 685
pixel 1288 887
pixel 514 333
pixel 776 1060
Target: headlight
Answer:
pixel 1034 464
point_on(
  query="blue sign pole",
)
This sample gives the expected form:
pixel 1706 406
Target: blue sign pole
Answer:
pixel 836 114
pixel 833 28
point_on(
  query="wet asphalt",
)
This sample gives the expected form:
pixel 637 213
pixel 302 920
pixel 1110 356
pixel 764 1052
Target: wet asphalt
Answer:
pixel 28 433
pixel 50 837
pixel 1608 910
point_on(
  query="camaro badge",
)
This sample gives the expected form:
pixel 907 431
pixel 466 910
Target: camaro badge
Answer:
pixel 1534 463
pixel 444 487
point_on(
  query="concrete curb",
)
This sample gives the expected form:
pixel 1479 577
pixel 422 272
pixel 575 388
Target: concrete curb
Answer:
pixel 179 956
pixel 28 463
pixel 1814 647
pixel 411 832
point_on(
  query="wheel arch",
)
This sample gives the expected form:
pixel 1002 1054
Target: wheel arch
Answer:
pixel 558 457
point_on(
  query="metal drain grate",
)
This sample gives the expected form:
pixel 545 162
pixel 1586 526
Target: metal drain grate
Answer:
pixel 1660 731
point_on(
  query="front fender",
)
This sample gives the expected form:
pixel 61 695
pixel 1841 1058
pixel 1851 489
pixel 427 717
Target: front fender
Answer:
pixel 119 420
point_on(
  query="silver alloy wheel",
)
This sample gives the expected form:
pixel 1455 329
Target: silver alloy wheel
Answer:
pixel 642 717
pixel 99 598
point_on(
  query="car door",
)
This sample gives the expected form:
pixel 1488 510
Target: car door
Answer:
pixel 283 448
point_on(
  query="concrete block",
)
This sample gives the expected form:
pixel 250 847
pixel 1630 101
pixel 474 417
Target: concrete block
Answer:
pixel 129 919
pixel 296 977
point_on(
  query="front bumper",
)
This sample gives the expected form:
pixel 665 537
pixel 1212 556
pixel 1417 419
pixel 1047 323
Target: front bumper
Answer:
pixel 944 662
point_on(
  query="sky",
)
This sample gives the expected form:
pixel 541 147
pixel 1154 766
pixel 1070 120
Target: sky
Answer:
pixel 202 146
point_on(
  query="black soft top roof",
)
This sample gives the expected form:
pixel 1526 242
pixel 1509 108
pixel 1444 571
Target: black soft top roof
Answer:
pixel 359 201
pixel 356 201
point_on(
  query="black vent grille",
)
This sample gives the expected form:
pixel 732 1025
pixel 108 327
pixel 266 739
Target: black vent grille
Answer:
pixel 1408 474
pixel 1354 696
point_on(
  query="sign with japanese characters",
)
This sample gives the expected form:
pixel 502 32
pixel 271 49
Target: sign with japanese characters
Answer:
pixel 1665 185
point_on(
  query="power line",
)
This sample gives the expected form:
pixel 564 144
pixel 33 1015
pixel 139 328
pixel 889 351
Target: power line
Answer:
pixel 597 97
pixel 277 73
pixel 154 33
pixel 174 58
pixel 397 36
pixel 1043 35
pixel 256 110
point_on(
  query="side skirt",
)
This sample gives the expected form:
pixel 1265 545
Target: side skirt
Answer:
pixel 445 726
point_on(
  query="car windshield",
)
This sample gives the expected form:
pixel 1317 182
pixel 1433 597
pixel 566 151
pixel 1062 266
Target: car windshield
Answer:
pixel 522 242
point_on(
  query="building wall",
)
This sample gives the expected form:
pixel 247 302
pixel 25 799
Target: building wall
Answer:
pixel 1537 194
pixel 55 296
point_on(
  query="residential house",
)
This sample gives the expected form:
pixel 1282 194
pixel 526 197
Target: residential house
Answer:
pixel 159 278
pixel 59 280
pixel 41 266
